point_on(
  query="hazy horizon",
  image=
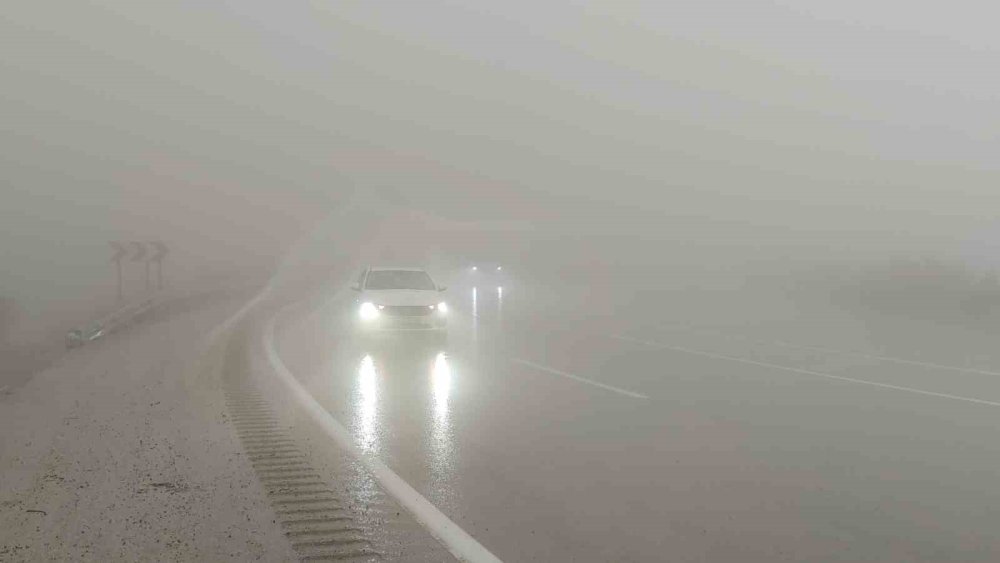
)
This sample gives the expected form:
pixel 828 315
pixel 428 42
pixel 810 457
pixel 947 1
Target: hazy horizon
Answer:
pixel 811 131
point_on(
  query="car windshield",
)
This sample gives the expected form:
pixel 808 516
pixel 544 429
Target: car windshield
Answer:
pixel 399 279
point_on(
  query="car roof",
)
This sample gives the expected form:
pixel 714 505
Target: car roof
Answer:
pixel 390 268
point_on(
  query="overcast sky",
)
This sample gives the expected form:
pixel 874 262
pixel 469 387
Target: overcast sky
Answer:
pixel 227 128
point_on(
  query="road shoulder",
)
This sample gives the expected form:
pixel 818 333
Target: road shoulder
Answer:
pixel 122 451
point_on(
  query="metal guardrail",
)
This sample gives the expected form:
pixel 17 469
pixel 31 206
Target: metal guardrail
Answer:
pixel 114 321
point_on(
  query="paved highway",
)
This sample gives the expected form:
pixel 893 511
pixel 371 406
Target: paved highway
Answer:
pixel 550 433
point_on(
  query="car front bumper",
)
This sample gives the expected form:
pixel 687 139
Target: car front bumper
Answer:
pixel 386 323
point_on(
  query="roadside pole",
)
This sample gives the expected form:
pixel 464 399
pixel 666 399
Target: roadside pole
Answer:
pixel 140 256
pixel 160 251
pixel 116 258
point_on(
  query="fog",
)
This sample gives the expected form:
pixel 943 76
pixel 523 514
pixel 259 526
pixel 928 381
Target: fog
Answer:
pixel 640 137
pixel 736 294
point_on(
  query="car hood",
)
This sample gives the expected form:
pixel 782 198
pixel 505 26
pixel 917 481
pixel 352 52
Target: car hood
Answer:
pixel 403 297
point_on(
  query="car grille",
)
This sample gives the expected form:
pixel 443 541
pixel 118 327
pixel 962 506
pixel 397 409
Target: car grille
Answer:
pixel 407 310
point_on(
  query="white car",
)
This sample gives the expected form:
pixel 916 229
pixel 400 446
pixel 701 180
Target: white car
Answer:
pixel 394 298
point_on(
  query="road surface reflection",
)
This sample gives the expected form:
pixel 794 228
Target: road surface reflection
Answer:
pixel 441 387
pixel 367 405
pixel 442 434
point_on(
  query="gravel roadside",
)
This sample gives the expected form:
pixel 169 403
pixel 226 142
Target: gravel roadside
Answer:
pixel 121 452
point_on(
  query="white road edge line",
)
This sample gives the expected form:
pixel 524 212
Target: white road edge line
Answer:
pixel 229 323
pixel 463 546
pixel 578 378
pixel 802 371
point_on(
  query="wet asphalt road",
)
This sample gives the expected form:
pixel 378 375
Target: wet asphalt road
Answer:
pixel 553 435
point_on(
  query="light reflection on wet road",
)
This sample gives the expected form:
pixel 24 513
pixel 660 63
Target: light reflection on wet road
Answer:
pixel 442 434
pixel 724 462
pixel 367 405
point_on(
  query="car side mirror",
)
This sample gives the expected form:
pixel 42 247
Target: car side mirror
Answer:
pixel 356 287
pixel 442 288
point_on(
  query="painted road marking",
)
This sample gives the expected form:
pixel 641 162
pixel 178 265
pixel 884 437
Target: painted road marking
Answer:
pixel 803 371
pixel 578 378
pixel 455 539
pixel 887 358
pixel 849 353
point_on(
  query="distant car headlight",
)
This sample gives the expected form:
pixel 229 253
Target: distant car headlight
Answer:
pixel 368 311
pixel 442 308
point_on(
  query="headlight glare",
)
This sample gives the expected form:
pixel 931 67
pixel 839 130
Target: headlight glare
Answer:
pixel 368 311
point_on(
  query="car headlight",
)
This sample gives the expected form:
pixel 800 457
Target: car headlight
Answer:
pixel 442 308
pixel 368 311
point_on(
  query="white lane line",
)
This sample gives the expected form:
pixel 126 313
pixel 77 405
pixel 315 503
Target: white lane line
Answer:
pixel 887 358
pixel 849 353
pixel 803 371
pixel 578 378
pixel 463 546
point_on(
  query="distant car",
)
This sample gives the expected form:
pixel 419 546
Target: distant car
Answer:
pixel 486 273
pixel 399 299
pixel 486 267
